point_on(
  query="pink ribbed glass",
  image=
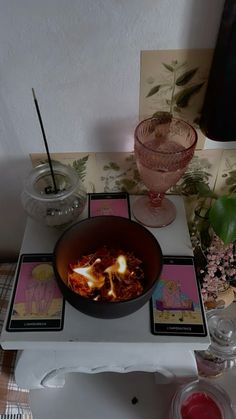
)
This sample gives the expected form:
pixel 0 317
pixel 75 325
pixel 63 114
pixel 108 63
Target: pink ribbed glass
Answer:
pixel 163 148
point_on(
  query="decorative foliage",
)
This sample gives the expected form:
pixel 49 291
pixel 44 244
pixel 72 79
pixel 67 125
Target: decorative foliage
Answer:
pixel 195 181
pixel 182 98
pixel 80 166
pixel 154 90
pixel 222 216
pixel 180 87
pixel 213 232
pixel 117 178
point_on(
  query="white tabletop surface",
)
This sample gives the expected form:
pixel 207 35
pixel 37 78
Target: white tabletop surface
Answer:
pixel 100 396
pixel 112 394
pixel 80 328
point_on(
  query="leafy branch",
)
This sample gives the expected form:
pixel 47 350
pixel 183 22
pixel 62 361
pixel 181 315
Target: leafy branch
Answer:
pixel 180 80
pixel 80 166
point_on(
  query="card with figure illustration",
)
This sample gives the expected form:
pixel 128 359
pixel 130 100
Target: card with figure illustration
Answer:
pixel 37 302
pixel 176 305
pixel 116 203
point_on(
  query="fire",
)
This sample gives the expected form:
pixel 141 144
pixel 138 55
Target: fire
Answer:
pixel 93 279
pixel 107 275
pixel 119 266
pixel 122 264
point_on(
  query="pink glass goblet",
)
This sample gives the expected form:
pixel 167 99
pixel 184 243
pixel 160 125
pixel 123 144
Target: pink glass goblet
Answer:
pixel 163 149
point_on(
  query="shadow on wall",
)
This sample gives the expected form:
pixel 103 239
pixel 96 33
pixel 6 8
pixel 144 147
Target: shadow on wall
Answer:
pixel 13 170
pixel 116 134
pixel 12 215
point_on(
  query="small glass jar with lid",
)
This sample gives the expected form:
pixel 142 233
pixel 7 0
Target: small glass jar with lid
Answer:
pixel 50 207
pixel 221 354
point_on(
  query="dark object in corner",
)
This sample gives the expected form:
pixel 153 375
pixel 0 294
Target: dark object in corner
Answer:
pixel 218 121
pixel 134 400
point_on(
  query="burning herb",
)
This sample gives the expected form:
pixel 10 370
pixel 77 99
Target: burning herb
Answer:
pixel 107 275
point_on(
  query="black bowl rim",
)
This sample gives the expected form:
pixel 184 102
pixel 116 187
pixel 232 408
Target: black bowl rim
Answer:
pixel 108 303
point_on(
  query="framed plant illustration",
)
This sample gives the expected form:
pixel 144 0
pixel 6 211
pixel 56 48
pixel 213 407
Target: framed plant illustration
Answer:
pixel 175 81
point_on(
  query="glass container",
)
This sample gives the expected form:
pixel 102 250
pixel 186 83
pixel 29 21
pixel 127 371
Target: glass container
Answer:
pixel 221 354
pixel 201 399
pixel 163 148
pixel 49 207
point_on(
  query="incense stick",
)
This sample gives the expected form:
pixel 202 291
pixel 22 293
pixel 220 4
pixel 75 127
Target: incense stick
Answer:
pixel 45 141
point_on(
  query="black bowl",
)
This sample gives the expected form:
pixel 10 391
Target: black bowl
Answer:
pixel 86 237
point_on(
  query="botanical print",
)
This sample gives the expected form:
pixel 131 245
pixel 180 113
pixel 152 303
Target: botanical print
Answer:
pixel 198 180
pixel 83 163
pixel 118 172
pixel 226 179
pixel 201 173
pixel 175 81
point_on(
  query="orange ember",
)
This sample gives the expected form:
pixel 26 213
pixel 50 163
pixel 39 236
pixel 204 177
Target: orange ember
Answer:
pixel 107 275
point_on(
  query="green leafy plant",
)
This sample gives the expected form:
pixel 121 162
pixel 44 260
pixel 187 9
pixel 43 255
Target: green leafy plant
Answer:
pixel 219 212
pixel 222 217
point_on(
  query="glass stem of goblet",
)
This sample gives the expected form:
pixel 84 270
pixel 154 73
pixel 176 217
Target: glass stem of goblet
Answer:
pixel 155 198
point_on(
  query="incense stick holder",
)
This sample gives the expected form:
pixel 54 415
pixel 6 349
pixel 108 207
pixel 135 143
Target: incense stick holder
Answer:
pixel 53 208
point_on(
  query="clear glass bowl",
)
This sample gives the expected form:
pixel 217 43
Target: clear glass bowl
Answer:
pixel 198 397
pixel 47 206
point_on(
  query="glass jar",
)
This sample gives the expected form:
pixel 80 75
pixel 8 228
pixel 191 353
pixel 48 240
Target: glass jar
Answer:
pixel 201 399
pixel 221 354
pixel 53 208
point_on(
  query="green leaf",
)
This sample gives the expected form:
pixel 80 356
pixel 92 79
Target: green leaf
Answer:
pixel 168 67
pixel 223 218
pixel 186 77
pixel 182 98
pixel 80 166
pixel 154 90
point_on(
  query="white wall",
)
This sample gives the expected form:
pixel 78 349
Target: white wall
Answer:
pixel 82 58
